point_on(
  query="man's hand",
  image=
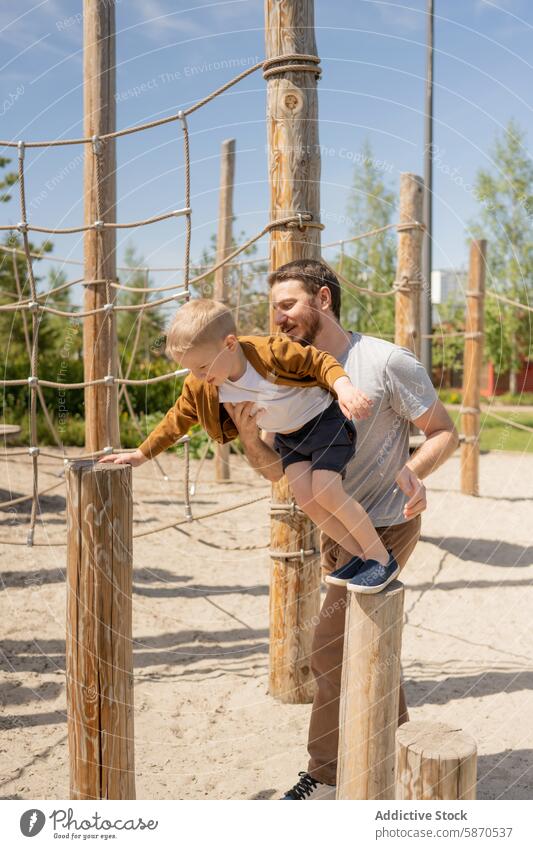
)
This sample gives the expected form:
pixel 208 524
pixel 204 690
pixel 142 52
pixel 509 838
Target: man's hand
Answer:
pixel 353 403
pixel 244 415
pixel 134 458
pixel 259 454
pixel 415 490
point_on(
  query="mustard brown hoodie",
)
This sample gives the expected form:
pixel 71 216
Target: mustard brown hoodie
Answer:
pixel 278 359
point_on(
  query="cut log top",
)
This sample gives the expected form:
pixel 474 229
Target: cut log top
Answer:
pixel 436 740
pixel 95 466
pixel 9 430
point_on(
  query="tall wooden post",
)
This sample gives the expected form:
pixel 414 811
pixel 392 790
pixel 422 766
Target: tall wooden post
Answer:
pixel 370 693
pixel 409 278
pixel 294 171
pixel 224 245
pixel 99 657
pixel 99 198
pixel 473 357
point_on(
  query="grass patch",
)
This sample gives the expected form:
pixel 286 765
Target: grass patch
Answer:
pixel 455 396
pixel 497 436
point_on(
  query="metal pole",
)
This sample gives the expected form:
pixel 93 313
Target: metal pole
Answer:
pixel 425 306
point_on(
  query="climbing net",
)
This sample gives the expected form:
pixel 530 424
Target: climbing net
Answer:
pixel 36 304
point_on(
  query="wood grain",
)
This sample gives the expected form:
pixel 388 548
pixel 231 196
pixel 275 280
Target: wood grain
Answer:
pixel 99 657
pixel 435 761
pixel 99 343
pixel 224 247
pixel 473 358
pixel 370 694
pixel 409 264
pixel 294 175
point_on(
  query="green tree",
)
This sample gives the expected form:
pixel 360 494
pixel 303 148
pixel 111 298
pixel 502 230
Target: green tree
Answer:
pixel 505 193
pixel 7 180
pixel 370 262
pixel 447 351
pixel 142 330
pixel 246 286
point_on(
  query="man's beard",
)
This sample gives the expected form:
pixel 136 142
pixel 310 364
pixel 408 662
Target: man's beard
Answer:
pixel 308 328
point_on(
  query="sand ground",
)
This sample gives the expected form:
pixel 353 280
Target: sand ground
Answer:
pixel 205 726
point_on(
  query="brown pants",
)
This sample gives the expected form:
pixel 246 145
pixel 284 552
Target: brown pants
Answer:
pixel 326 658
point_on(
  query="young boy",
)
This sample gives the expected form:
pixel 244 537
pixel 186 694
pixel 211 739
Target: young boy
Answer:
pixel 294 388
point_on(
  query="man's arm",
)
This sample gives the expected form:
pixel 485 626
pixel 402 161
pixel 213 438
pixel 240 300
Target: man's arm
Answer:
pixel 441 441
pixel 259 452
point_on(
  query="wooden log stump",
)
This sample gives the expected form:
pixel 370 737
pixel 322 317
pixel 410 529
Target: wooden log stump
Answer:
pixel 435 761
pixel 370 694
pixel 99 657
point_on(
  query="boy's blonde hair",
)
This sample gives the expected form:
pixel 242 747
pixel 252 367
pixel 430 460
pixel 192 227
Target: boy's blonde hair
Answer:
pixel 199 322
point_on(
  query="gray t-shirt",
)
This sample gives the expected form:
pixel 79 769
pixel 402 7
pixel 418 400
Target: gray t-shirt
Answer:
pixel 401 391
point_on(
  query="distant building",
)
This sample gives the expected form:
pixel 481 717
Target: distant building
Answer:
pixel 448 285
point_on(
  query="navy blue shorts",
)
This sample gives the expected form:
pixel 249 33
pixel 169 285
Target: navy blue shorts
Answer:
pixel 327 442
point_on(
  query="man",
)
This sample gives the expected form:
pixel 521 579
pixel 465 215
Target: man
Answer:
pixel 382 476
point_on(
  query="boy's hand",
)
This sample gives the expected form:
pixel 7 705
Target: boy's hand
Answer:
pixel 134 458
pixel 353 403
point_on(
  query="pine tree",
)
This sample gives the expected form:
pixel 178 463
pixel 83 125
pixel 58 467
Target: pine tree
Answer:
pixel 370 262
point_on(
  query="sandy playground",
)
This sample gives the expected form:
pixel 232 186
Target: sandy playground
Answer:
pixel 205 726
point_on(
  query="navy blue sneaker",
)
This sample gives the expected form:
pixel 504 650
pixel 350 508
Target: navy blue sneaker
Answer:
pixel 375 576
pixel 345 573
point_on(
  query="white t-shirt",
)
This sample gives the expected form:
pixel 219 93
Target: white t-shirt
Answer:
pixel 401 390
pixel 283 408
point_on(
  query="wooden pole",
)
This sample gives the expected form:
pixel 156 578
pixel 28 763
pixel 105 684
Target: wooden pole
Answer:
pixel 370 693
pixel 426 307
pixel 99 658
pixel 224 245
pixel 409 279
pixel 435 761
pixel 473 358
pixel 99 194
pixel 294 172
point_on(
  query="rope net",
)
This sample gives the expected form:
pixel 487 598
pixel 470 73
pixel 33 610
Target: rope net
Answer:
pixel 34 307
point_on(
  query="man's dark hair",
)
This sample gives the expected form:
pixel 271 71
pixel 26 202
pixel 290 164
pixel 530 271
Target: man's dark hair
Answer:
pixel 312 274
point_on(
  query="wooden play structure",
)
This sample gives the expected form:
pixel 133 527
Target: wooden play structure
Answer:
pixel 376 760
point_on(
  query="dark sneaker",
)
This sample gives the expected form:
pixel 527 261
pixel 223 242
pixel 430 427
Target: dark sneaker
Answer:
pixel 347 572
pixel 375 576
pixel 309 788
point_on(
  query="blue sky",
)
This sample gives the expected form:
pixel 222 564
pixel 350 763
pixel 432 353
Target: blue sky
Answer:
pixel 171 53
